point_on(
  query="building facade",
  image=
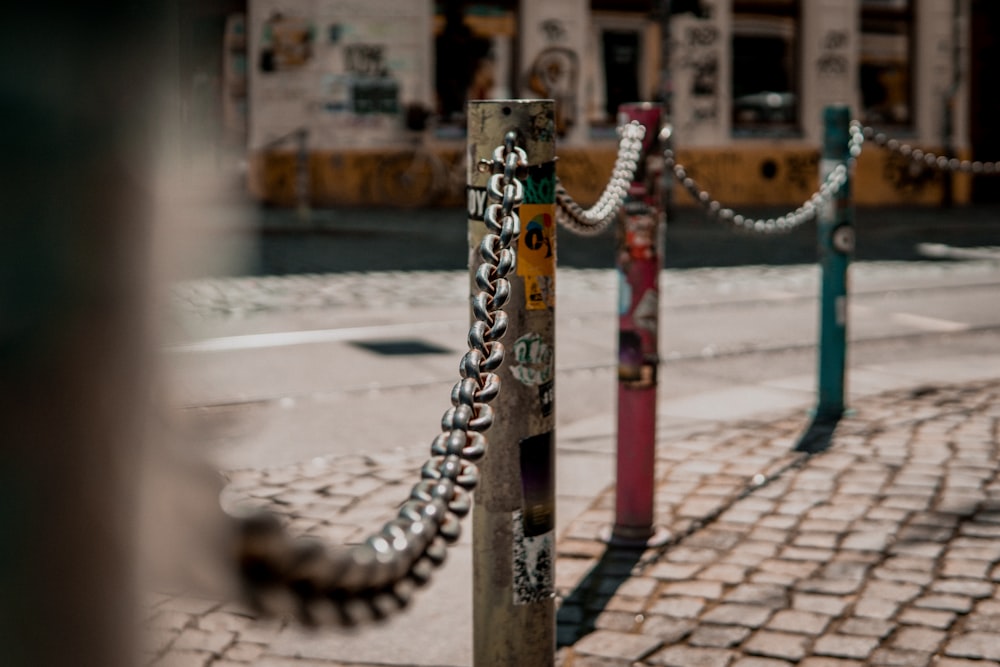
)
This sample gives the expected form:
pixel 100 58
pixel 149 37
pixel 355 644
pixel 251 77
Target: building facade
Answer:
pixel 334 89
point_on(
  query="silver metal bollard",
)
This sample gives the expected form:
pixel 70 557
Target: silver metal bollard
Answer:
pixel 514 513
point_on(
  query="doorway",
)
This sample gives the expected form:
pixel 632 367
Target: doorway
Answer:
pixel 984 99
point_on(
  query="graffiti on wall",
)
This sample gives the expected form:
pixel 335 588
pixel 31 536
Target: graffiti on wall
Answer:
pixel 343 70
pixel 833 54
pixel 286 43
pixel 554 74
pixel 698 57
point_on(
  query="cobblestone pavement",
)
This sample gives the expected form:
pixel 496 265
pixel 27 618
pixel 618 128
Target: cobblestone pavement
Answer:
pixel 882 551
pixel 243 296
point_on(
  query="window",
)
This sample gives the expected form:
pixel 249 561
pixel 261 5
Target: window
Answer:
pixel 765 66
pixel 621 69
pixel 886 45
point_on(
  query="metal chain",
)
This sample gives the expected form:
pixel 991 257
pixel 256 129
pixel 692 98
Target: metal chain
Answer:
pixel 594 220
pixel 368 581
pixel 783 223
pixel 927 158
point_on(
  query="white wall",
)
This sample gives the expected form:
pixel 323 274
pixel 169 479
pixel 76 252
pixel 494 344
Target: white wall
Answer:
pixel 829 59
pixel 934 49
pixel 702 102
pixel 351 43
pixel 553 43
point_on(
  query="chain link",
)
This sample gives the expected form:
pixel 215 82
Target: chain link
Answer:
pixel 927 158
pixel 783 223
pixel 368 581
pixel 594 220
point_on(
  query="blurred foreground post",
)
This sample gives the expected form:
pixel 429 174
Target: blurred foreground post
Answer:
pixel 78 82
pixel 514 513
pixel 640 243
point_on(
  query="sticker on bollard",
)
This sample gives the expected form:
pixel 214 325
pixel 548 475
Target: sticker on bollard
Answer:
pixel 843 239
pixel 533 360
pixel 534 524
pixel 536 248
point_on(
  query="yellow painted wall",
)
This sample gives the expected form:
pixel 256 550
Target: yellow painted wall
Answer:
pixel 752 175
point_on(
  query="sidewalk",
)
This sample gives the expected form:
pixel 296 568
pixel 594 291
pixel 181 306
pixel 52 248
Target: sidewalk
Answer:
pixel 881 551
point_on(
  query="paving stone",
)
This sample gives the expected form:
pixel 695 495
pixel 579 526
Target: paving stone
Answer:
pixel 960 662
pixel 830 605
pixel 875 608
pixel 669 630
pixel 738 614
pixel 753 661
pixel 899 658
pixel 927 617
pixel 719 636
pixel 246 652
pixel 589 661
pixel 678 607
pixel 975 645
pixel 725 573
pixel 782 645
pixel 982 623
pixel 799 622
pixel 200 640
pixel 689 555
pixel 866 541
pixel 224 621
pixel 618 645
pixel 974 569
pixel 895 592
pixel 958 603
pixel 821 661
pixel 638 587
pixel 687 656
pixel 845 646
pixel 918 639
pixel 796 569
pixel 817 540
pixel 905 576
pixel 807 554
pixel 867 627
pixel 966 587
pixel 830 586
pixel 674 571
pixel 765 595
pixel 623 603
pixel 698 589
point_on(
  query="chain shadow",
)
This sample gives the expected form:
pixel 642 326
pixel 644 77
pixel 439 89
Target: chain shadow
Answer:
pixel 577 615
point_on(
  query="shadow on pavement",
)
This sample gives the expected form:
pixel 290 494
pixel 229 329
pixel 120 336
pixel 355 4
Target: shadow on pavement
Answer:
pixel 577 616
pixel 819 435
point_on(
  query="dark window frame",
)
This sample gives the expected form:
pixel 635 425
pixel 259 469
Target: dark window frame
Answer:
pixel 771 103
pixel 905 17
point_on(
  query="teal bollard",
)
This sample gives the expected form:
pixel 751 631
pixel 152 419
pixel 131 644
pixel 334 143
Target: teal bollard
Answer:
pixel 835 226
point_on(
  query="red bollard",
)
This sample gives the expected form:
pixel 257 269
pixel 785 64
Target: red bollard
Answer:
pixel 640 239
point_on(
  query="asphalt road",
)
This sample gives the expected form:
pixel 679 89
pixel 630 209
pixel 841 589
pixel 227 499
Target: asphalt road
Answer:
pixel 290 378
pixel 435 239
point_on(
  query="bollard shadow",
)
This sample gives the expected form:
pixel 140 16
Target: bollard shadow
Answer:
pixel 819 435
pixel 579 612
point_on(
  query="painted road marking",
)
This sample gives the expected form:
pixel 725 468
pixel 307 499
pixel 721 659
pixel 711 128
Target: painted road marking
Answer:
pixel 316 336
pixel 928 323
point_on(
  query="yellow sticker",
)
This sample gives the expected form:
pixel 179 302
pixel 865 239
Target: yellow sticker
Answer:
pixel 536 248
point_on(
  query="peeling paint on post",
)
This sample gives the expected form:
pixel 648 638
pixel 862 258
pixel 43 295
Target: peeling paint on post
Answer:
pixel 514 513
